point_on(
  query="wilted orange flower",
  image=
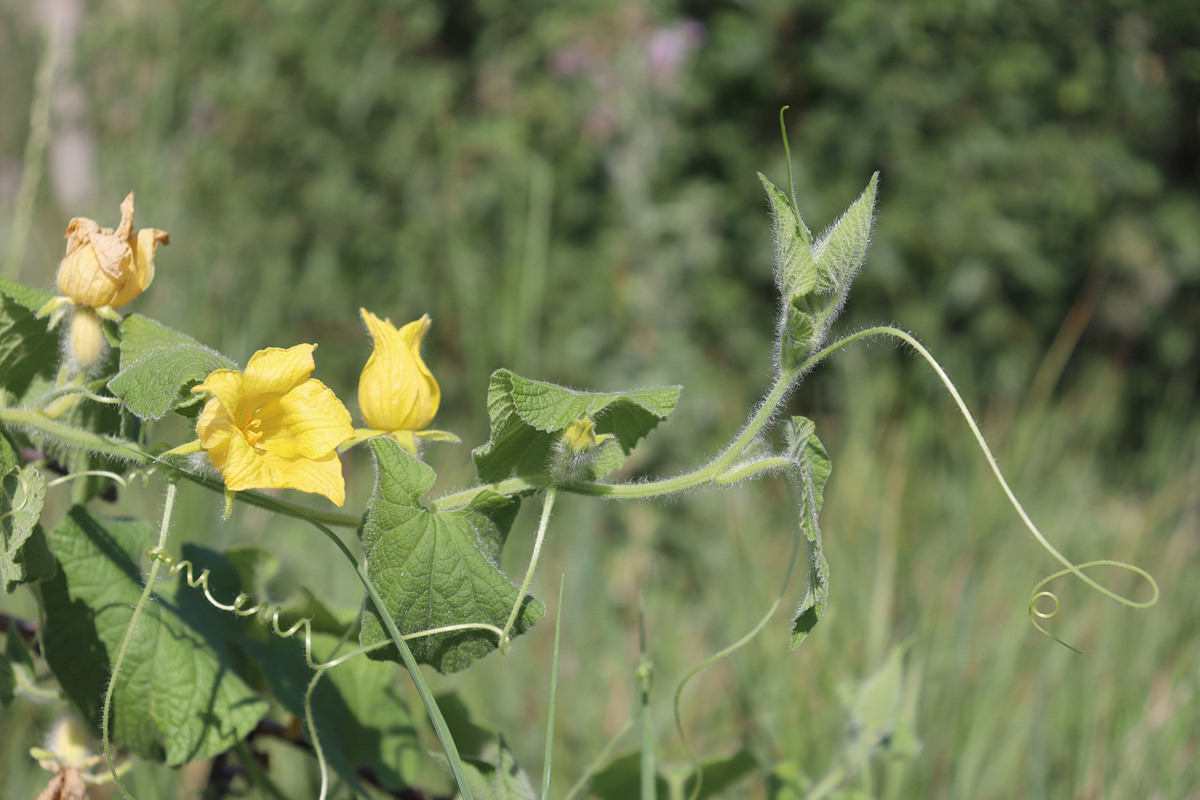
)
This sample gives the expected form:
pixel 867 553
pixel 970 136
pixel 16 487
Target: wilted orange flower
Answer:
pixel 273 427
pixel 107 267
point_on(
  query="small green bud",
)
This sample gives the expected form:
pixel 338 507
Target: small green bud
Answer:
pixel 580 436
pixel 576 449
pixel 814 276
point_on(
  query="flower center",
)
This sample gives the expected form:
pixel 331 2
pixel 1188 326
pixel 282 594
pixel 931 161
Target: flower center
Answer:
pixel 252 430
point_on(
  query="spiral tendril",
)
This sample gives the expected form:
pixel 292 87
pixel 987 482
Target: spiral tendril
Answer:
pixel 269 613
pixel 1037 593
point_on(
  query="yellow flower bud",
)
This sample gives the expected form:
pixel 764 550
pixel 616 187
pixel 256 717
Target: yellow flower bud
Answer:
pixel 396 391
pixel 107 267
pixel 580 436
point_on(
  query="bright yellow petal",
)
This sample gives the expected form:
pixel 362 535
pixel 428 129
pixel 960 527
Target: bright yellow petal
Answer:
pixel 226 386
pixel 274 372
pixel 396 390
pixel 316 418
pixel 321 476
pixel 309 421
pixel 213 427
pixel 247 468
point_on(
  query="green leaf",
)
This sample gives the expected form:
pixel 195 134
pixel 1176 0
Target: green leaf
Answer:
pixel 434 569
pixel 28 349
pixel 8 681
pixel 83 413
pixel 22 493
pixel 360 718
pixel 809 470
pixel 528 417
pixel 839 251
pixel 158 366
pixel 795 273
pixel 787 782
pixel 719 774
pixel 495 774
pixel 178 697
pixel 491 768
pixel 875 711
pixel 621 778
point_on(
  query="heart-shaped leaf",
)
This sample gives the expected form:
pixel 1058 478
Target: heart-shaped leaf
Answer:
pixel 435 568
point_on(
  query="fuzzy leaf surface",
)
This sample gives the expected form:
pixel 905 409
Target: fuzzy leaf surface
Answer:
pixel 178 697
pixel 435 568
pixel 839 251
pixel 528 417
pixel 808 474
pixel 795 273
pixel 22 546
pixel 27 346
pixel 158 365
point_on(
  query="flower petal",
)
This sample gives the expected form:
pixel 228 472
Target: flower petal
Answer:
pixel 142 274
pixel 273 372
pixel 321 476
pixel 248 468
pixel 226 386
pixel 316 418
pixel 214 428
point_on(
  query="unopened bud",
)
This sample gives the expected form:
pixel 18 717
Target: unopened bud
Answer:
pixel 85 340
pixel 576 449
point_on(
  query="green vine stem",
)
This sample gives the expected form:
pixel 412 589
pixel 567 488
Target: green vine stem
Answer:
pixel 308 710
pixel 410 662
pixel 549 757
pixel 543 523
pixel 1072 568
pixel 645 680
pixel 151 579
pixel 124 450
pixel 712 472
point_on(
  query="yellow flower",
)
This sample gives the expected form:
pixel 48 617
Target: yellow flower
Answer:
pixel 580 436
pixel 274 427
pixel 106 267
pixel 397 392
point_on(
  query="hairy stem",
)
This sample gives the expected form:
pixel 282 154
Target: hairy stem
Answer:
pixel 151 578
pixel 543 523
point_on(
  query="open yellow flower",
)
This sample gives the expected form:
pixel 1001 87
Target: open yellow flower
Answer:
pixel 107 267
pixel 274 427
pixel 397 393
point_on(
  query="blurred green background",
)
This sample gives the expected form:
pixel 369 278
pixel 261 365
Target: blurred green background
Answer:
pixel 569 191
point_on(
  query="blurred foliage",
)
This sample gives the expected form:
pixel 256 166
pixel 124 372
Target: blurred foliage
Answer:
pixel 583 174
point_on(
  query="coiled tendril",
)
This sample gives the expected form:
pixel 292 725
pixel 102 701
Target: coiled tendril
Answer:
pixel 269 613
